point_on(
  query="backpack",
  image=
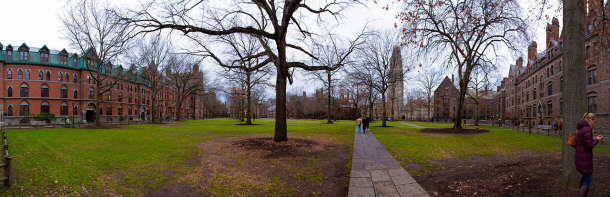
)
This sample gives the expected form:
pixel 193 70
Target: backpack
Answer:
pixel 572 140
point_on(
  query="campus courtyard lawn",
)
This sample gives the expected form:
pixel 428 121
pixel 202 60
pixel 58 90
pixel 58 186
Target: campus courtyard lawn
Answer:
pixel 501 162
pixel 135 159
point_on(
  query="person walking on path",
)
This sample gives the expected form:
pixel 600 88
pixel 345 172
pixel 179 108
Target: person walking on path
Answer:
pixel 584 151
pixel 365 124
pixel 358 124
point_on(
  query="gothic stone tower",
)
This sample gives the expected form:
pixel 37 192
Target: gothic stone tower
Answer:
pixel 395 93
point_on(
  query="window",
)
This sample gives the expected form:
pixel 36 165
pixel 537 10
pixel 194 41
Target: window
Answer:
pixel 67 77
pixel 9 92
pixel 550 89
pixel 74 61
pixel 63 92
pixel 548 73
pixel 587 49
pixel 27 74
pixel 549 108
pixel 75 78
pixel 592 103
pixel 63 58
pixel 40 75
pixel 23 55
pixel 90 93
pixel 560 106
pixel 61 77
pixel 48 75
pixel 120 110
pixel 109 110
pixel 63 109
pixel 101 110
pixel 89 79
pixel 44 107
pixel 24 108
pixel 109 96
pixel 19 74
pixel 120 98
pixel 129 98
pixel 44 91
pixel 10 110
pixel 44 56
pixel 552 70
pixel 9 73
pixel 592 76
pixel 75 110
pixel 534 94
pixel 75 94
pixel 9 53
pixel 24 91
pixel 561 84
pixel 129 110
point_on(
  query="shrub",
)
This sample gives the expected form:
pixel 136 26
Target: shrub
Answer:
pixel 47 117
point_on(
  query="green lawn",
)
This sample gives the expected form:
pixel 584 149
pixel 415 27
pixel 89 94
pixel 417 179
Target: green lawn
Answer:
pixel 408 144
pixel 129 160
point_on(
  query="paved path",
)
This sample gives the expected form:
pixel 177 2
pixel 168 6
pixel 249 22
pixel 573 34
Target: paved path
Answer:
pixel 376 173
pixel 416 126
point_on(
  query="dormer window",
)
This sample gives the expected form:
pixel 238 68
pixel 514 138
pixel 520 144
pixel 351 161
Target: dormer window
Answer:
pixel 74 60
pixel 9 53
pixel 63 57
pixel 24 52
pixel 44 54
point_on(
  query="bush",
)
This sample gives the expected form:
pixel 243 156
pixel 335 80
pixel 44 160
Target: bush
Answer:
pixel 47 117
pixel 122 118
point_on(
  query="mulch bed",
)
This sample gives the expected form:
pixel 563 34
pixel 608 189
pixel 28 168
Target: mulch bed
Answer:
pixel 454 131
pixel 527 173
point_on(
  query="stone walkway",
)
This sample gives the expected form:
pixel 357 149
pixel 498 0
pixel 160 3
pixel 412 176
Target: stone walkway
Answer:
pixel 376 173
pixel 416 126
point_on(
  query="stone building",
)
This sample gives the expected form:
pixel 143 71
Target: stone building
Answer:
pixel 395 108
pixel 531 94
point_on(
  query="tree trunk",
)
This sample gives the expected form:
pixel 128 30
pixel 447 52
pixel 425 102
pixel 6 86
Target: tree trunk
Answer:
pixel 329 98
pixel 476 116
pixel 280 107
pixel 458 116
pixel 370 102
pixel 179 109
pixel 98 98
pixel 248 99
pixel 392 104
pixel 574 94
pixel 153 107
pixel 384 114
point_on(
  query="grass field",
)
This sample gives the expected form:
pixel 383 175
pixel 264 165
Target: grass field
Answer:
pixel 410 145
pixel 129 160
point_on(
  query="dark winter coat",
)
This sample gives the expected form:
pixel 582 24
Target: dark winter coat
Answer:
pixel 584 148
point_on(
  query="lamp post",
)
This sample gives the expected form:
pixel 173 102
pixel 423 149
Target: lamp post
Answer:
pixel 73 107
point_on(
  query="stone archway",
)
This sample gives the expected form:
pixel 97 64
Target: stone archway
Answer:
pixel 90 113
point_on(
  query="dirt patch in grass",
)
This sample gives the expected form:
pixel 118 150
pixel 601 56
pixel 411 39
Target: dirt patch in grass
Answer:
pixel 454 131
pixel 257 166
pixel 527 173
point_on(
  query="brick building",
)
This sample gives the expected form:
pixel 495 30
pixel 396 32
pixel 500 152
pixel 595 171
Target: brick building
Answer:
pixel 37 80
pixel 446 103
pixel 531 94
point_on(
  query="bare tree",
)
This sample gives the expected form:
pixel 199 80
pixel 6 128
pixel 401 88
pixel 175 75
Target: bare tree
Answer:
pixel 376 59
pixel 474 31
pixel 248 67
pixel 152 54
pixel 479 86
pixel 427 82
pixel 94 28
pixel 184 77
pixel 268 19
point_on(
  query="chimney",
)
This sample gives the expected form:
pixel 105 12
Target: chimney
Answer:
pixel 531 51
pixel 549 35
pixel 452 81
pixel 520 63
pixel 304 94
pixel 555 29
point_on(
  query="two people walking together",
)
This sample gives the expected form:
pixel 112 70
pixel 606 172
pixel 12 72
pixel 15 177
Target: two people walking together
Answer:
pixel 362 125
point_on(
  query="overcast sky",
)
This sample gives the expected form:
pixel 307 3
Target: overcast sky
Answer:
pixel 36 23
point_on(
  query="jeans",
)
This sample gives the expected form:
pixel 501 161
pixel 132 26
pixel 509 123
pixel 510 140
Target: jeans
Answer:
pixel 586 180
pixel 358 128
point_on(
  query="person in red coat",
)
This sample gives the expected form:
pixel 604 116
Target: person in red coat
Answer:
pixel 584 151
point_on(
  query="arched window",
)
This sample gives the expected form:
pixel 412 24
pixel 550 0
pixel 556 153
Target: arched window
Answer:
pixel 48 75
pixel 44 107
pixel 27 74
pixel 592 102
pixel 75 94
pixel 61 77
pixel 10 111
pixel 24 90
pixel 40 75
pixel 24 108
pixel 109 110
pixel 90 93
pixel 63 92
pixel 67 77
pixel 9 92
pixel 19 74
pixel 75 78
pixel 9 73
pixel 63 109
pixel 44 91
